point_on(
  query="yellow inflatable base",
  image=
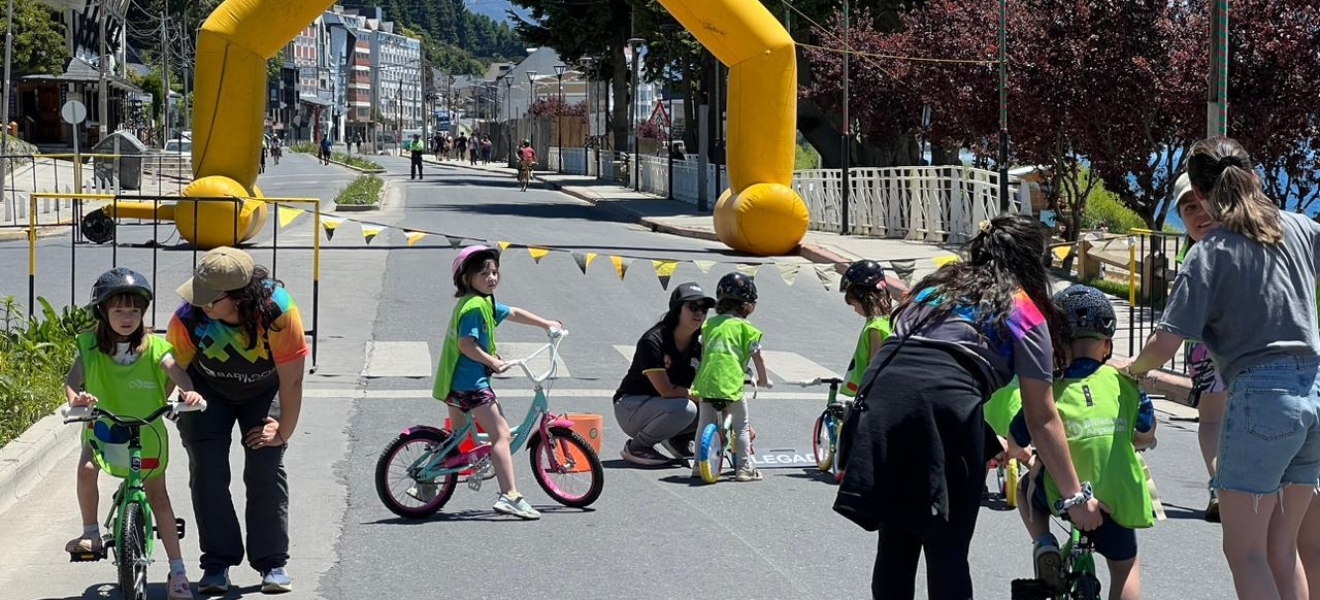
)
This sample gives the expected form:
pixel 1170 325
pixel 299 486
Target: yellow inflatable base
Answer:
pixel 765 219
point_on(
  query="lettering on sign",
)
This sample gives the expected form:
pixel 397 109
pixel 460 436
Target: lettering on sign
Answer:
pixel 783 458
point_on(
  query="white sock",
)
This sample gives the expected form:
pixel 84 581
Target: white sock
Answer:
pixel 176 567
pixel 92 531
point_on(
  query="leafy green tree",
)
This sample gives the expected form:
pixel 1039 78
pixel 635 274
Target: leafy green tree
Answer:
pixel 38 40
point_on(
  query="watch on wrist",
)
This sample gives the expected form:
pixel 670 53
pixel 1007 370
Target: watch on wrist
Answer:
pixel 1063 504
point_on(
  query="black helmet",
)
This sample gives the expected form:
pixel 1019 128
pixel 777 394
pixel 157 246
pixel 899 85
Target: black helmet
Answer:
pixel 736 286
pixel 117 281
pixel 863 273
pixel 1087 312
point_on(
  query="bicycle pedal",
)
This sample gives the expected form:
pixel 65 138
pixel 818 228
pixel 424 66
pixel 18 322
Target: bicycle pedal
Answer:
pixel 474 482
pixel 1031 589
pixel 88 556
pixel 179 526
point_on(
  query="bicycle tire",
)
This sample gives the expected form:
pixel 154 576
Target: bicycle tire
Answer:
pixel 1011 483
pixel 397 505
pixel 131 553
pixel 710 456
pixel 824 455
pixel 560 440
pixel 1086 588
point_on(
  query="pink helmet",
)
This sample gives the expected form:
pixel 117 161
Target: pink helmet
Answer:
pixel 470 253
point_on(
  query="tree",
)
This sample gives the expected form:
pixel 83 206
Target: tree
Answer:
pixel 38 40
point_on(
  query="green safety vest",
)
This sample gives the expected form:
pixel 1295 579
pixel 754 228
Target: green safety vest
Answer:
pixel 726 343
pixel 1002 407
pixel 1099 415
pixel 862 355
pixel 444 375
pixel 133 390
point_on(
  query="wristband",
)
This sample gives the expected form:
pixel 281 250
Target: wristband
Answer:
pixel 1063 504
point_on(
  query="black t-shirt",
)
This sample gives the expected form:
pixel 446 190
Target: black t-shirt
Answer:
pixel 656 351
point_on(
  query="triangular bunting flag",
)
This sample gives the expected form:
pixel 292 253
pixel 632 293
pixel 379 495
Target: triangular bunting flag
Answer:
pixel 620 265
pixel 904 269
pixel 537 253
pixel 789 271
pixel 828 276
pixel 504 245
pixel 369 232
pixel 287 215
pixel 454 242
pixel 748 270
pixel 704 265
pixel 414 236
pixel 584 260
pixel 329 224
pixel 664 269
pixel 940 261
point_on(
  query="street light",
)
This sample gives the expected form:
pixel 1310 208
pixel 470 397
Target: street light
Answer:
pixel 635 44
pixel 531 91
pixel 508 114
pixel 559 114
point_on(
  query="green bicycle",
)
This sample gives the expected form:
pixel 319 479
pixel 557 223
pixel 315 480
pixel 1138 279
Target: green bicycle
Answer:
pixel 130 523
pixel 1077 571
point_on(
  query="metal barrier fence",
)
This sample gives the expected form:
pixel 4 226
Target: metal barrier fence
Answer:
pixel 110 237
pixel 151 173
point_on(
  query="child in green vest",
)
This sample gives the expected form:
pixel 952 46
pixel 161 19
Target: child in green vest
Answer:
pixel 467 361
pixel 864 289
pixel 125 369
pixel 729 342
pixel 1107 419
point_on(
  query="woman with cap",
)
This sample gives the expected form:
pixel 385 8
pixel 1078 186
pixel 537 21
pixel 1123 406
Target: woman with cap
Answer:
pixel 651 404
pixel 1265 345
pixel 240 337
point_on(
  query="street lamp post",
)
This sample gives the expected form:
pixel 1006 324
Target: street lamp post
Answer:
pixel 508 115
pixel 635 44
pixel 531 92
pixel 559 115
pixel 4 109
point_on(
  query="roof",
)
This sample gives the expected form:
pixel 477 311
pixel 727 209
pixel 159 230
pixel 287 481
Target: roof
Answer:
pixel 81 71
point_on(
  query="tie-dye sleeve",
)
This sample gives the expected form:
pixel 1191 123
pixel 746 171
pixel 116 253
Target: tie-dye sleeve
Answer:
pixel 1033 350
pixel 177 335
pixel 285 337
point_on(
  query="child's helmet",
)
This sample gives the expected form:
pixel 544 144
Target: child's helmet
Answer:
pixel 119 280
pixel 736 286
pixel 1087 312
pixel 469 258
pixel 865 274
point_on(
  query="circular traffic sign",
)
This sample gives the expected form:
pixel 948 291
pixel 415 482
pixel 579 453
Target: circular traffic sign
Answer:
pixel 73 112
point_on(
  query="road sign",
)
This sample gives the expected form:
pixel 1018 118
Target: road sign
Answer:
pixel 73 112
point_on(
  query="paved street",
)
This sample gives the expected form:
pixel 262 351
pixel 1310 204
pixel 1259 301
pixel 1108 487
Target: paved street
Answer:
pixel 382 310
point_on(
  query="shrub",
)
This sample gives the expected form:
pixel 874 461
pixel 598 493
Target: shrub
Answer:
pixel 35 354
pixel 356 161
pixel 361 191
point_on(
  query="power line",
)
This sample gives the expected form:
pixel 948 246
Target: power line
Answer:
pixel 896 57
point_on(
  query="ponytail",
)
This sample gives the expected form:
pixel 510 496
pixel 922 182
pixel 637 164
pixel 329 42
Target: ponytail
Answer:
pixel 1221 172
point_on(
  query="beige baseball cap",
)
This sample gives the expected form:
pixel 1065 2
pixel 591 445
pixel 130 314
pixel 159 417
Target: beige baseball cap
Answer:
pixel 1181 187
pixel 219 271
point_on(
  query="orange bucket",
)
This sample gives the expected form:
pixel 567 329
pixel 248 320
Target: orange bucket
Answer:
pixel 588 426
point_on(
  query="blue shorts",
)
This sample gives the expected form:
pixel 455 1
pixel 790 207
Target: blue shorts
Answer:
pixel 1271 432
pixel 1113 541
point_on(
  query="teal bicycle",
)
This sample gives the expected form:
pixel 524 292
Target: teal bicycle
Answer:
pixel 418 472
pixel 131 525
pixel 828 429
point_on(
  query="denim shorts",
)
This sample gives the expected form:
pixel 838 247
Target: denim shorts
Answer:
pixel 1271 432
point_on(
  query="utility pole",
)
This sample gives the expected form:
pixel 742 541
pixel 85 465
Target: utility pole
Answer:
pixel 1003 107
pixel 1217 105
pixel 559 114
pixel 165 72
pixel 102 94
pixel 4 110
pixel 847 127
pixel 635 44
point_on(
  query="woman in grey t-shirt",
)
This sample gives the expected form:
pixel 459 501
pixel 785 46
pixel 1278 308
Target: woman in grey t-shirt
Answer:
pixel 1247 290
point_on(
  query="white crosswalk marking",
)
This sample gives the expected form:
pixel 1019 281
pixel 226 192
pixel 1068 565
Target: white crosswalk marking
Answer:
pixel 791 366
pixel 626 350
pixel 538 365
pixel 398 359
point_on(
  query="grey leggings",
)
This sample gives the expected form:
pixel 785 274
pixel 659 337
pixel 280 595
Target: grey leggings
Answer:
pixel 741 427
pixel 649 420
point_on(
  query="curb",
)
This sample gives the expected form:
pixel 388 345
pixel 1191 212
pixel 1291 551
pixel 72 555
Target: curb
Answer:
pixel 28 459
pixel 47 230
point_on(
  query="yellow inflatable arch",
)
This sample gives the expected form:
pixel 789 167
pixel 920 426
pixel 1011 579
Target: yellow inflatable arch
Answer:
pixel 759 213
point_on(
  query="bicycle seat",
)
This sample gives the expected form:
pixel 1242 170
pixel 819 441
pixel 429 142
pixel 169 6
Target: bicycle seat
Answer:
pixel 718 405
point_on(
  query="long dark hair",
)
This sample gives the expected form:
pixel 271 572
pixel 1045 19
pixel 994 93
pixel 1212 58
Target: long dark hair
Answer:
pixel 257 310
pixel 1221 170
pixel 1006 256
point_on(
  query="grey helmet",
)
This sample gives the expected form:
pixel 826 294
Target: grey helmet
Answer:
pixel 1087 312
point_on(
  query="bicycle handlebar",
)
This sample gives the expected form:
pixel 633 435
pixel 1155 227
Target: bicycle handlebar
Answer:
pixel 817 381
pixel 556 336
pixel 78 414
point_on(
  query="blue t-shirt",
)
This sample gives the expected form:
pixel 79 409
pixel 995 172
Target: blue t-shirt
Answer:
pixel 471 375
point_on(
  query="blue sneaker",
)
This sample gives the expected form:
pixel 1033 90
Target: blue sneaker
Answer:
pixel 214 581
pixel 276 581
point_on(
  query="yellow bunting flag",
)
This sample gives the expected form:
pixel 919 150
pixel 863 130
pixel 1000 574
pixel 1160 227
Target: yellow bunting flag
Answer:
pixel 369 232
pixel 748 270
pixel 828 276
pixel 330 223
pixel 504 245
pixel 620 265
pixel 287 215
pixel 664 269
pixel 940 261
pixel 537 253
pixel 704 265
pixel 414 236
pixel 454 242
pixel 789 271
pixel 583 260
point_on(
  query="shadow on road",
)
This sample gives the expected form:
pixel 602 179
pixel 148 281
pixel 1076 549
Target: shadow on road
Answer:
pixel 1173 511
pixel 110 591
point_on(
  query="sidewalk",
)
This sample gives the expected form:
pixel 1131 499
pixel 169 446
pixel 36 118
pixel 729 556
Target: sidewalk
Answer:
pixel 53 214
pixel 682 219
